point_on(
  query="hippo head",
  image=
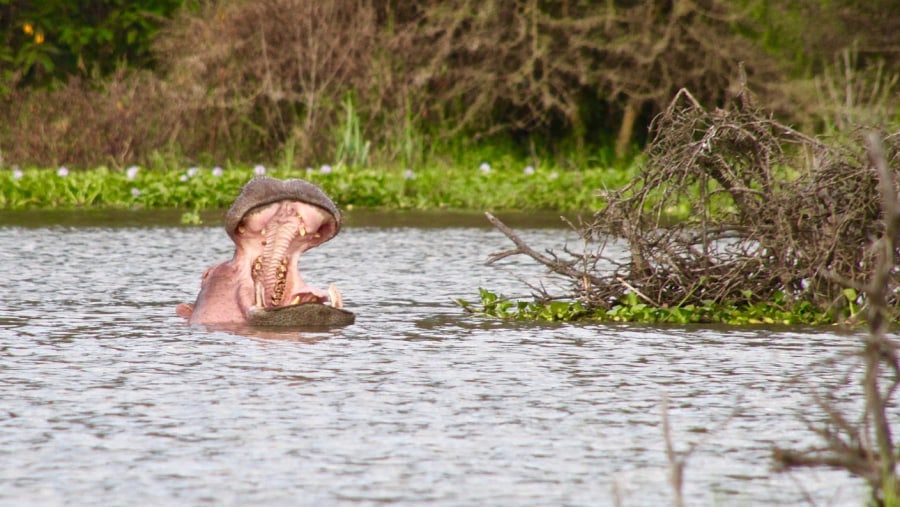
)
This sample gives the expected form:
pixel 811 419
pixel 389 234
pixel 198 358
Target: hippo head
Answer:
pixel 271 224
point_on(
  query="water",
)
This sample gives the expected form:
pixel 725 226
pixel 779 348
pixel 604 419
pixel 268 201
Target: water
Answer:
pixel 108 398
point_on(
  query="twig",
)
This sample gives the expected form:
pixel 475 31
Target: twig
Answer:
pixel 876 292
pixel 633 289
pixel 676 461
pixel 523 248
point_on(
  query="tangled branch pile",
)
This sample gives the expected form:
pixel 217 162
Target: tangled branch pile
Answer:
pixel 772 212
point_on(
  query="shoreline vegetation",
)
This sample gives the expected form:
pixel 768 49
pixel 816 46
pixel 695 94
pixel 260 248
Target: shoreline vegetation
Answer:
pixel 508 185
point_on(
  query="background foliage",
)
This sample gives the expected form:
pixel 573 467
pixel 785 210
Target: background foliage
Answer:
pixel 51 40
pixel 400 81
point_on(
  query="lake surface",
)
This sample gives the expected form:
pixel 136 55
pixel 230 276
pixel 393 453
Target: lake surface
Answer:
pixel 108 398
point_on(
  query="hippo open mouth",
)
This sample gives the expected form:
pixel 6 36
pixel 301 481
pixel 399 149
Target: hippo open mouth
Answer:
pixel 271 223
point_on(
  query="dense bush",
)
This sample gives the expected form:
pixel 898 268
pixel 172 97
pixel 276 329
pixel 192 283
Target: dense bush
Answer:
pixel 282 73
pixel 273 73
pixel 309 82
pixel 82 123
pixel 573 68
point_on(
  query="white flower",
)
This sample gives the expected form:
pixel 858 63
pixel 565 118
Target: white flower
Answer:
pixel 554 175
pixel 17 173
pixel 217 171
pixel 485 167
pixel 192 171
pixel 409 174
pixel 62 172
pixel 131 172
pixel 325 169
pixel 135 192
pixel 183 178
pixel 529 170
pixel 259 170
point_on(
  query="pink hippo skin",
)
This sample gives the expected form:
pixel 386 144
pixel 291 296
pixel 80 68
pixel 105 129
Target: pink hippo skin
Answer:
pixel 271 224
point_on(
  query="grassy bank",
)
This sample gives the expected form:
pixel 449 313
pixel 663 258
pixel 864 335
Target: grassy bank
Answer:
pixel 505 185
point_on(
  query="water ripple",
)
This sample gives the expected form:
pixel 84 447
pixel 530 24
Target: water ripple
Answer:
pixel 109 399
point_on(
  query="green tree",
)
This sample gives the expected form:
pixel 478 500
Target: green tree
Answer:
pixel 49 41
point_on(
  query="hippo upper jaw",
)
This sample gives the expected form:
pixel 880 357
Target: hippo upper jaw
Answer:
pixel 288 218
pixel 269 242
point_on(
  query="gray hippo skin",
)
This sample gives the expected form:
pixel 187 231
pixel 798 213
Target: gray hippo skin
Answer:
pixel 271 224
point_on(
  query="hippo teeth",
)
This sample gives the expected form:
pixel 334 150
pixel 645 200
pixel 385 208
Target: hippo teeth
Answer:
pixel 274 282
pixel 260 292
pixel 280 281
pixel 334 296
pixel 259 289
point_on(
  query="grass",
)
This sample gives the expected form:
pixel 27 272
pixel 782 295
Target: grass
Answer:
pixel 505 185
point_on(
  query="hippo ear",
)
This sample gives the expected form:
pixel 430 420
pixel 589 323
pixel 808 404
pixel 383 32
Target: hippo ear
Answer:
pixel 184 310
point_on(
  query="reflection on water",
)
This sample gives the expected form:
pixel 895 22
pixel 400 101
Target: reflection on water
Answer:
pixel 110 399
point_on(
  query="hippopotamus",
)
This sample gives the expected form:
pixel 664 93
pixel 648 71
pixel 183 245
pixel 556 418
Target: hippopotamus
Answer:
pixel 272 222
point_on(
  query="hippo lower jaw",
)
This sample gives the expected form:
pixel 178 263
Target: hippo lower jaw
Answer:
pixel 304 310
pixel 333 298
pixel 300 315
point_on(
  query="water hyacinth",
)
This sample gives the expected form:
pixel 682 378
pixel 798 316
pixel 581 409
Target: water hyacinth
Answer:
pixel 62 172
pixel 259 170
pixel 485 167
pixel 424 187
